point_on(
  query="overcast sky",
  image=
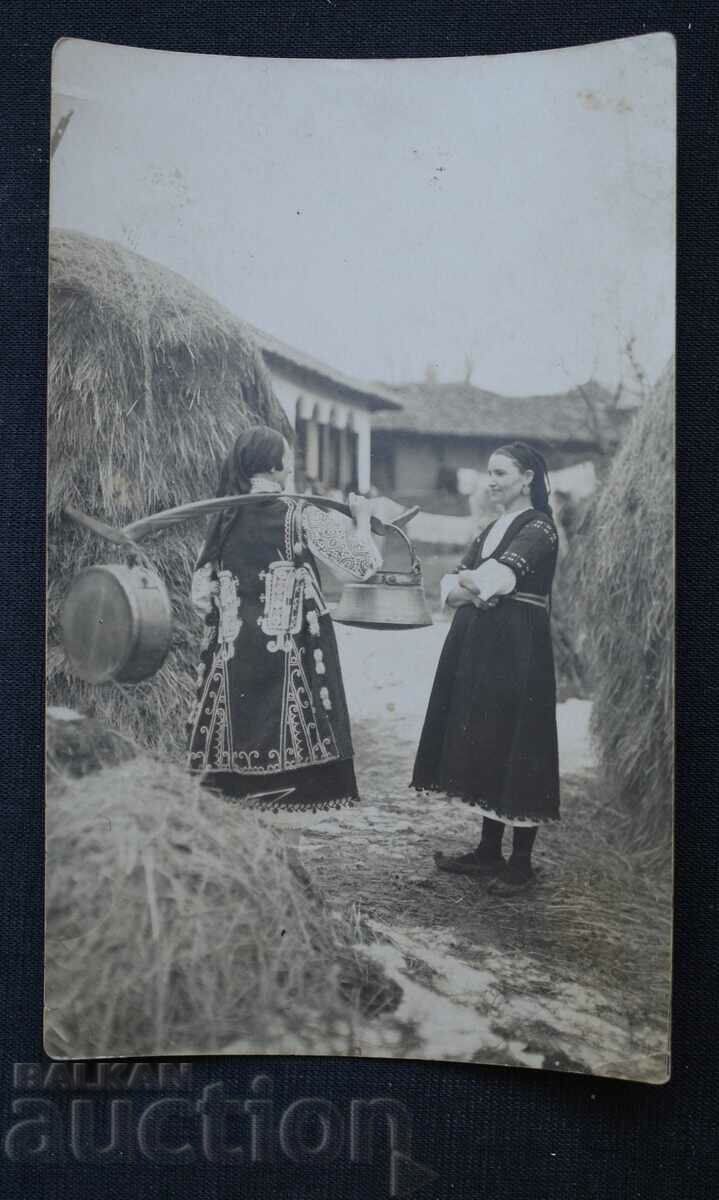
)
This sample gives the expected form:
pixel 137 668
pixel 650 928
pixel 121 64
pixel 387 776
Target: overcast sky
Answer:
pixel 386 215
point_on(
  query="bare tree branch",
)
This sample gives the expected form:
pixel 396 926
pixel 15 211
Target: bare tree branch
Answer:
pixel 594 417
pixel 640 378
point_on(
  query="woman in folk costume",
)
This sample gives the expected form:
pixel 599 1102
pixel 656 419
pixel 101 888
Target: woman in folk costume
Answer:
pixel 490 734
pixel 271 723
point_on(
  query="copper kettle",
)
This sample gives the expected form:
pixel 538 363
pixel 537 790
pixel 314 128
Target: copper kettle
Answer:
pixel 391 599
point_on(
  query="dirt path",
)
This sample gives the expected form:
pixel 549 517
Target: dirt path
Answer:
pixel 477 984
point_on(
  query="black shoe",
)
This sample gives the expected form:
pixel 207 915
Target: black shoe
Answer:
pixel 514 877
pixel 474 863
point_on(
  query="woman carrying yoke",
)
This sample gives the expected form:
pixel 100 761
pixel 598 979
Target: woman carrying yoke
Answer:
pixel 270 725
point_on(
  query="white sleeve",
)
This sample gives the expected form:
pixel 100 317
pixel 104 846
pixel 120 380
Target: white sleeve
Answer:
pixel 203 588
pixel 333 539
pixel 447 584
pixel 494 579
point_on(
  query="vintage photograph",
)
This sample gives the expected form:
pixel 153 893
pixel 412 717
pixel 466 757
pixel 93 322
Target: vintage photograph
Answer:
pixel 360 494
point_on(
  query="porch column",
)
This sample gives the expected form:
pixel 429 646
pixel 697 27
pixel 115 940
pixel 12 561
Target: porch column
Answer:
pixel 303 417
pixel 364 452
pixel 325 471
pixel 312 450
pixel 345 459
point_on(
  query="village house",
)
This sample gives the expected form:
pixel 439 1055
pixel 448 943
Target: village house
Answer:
pixel 446 428
pixel 332 415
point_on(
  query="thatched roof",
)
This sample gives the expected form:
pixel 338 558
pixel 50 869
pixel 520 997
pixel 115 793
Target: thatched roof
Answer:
pixel 463 410
pixel 304 368
pixel 149 382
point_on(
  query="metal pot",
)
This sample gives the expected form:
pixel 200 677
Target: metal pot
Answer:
pixel 117 620
pixel 389 600
pixel 116 624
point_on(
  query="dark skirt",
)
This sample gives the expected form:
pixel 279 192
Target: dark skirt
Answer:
pixel 329 785
pixel 490 733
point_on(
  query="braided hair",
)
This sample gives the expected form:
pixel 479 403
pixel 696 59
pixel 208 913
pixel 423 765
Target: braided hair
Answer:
pixel 529 459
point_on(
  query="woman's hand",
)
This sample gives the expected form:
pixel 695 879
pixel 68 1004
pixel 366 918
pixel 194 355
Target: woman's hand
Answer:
pixel 458 597
pixel 461 595
pixel 361 510
pixel 478 602
pixel 467 581
pixel 203 590
pixel 468 584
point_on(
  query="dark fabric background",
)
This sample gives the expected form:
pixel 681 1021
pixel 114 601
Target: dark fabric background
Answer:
pixel 485 1132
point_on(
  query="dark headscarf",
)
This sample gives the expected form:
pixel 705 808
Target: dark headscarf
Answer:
pixel 257 450
pixel 529 459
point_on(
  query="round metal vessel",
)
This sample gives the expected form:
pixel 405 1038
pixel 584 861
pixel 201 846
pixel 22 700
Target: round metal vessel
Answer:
pixel 116 624
pixel 389 600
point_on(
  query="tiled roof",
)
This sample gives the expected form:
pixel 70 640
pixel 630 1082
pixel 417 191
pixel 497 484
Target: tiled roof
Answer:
pixel 465 410
pixel 373 396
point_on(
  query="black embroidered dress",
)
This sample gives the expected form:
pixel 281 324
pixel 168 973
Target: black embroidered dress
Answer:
pixel 271 710
pixel 490 733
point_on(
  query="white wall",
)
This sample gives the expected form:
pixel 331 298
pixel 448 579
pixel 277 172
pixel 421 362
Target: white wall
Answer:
pixel 327 411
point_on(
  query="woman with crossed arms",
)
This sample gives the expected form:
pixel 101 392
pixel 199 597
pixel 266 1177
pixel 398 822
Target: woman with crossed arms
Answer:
pixel 490 733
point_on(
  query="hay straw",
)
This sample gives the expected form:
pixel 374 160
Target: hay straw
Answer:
pixel 76 747
pixel 627 587
pixel 178 923
pixel 600 912
pixel 608 905
pixel 149 381
pixel 569 659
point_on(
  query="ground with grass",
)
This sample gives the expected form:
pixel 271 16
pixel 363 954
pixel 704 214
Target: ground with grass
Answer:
pixel 572 974
pixel 388 956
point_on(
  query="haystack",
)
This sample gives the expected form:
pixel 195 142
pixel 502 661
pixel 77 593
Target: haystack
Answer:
pixel 149 382
pixel 627 587
pixel 177 922
pixel 76 745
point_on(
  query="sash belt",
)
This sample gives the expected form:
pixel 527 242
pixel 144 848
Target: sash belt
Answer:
pixel 528 598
